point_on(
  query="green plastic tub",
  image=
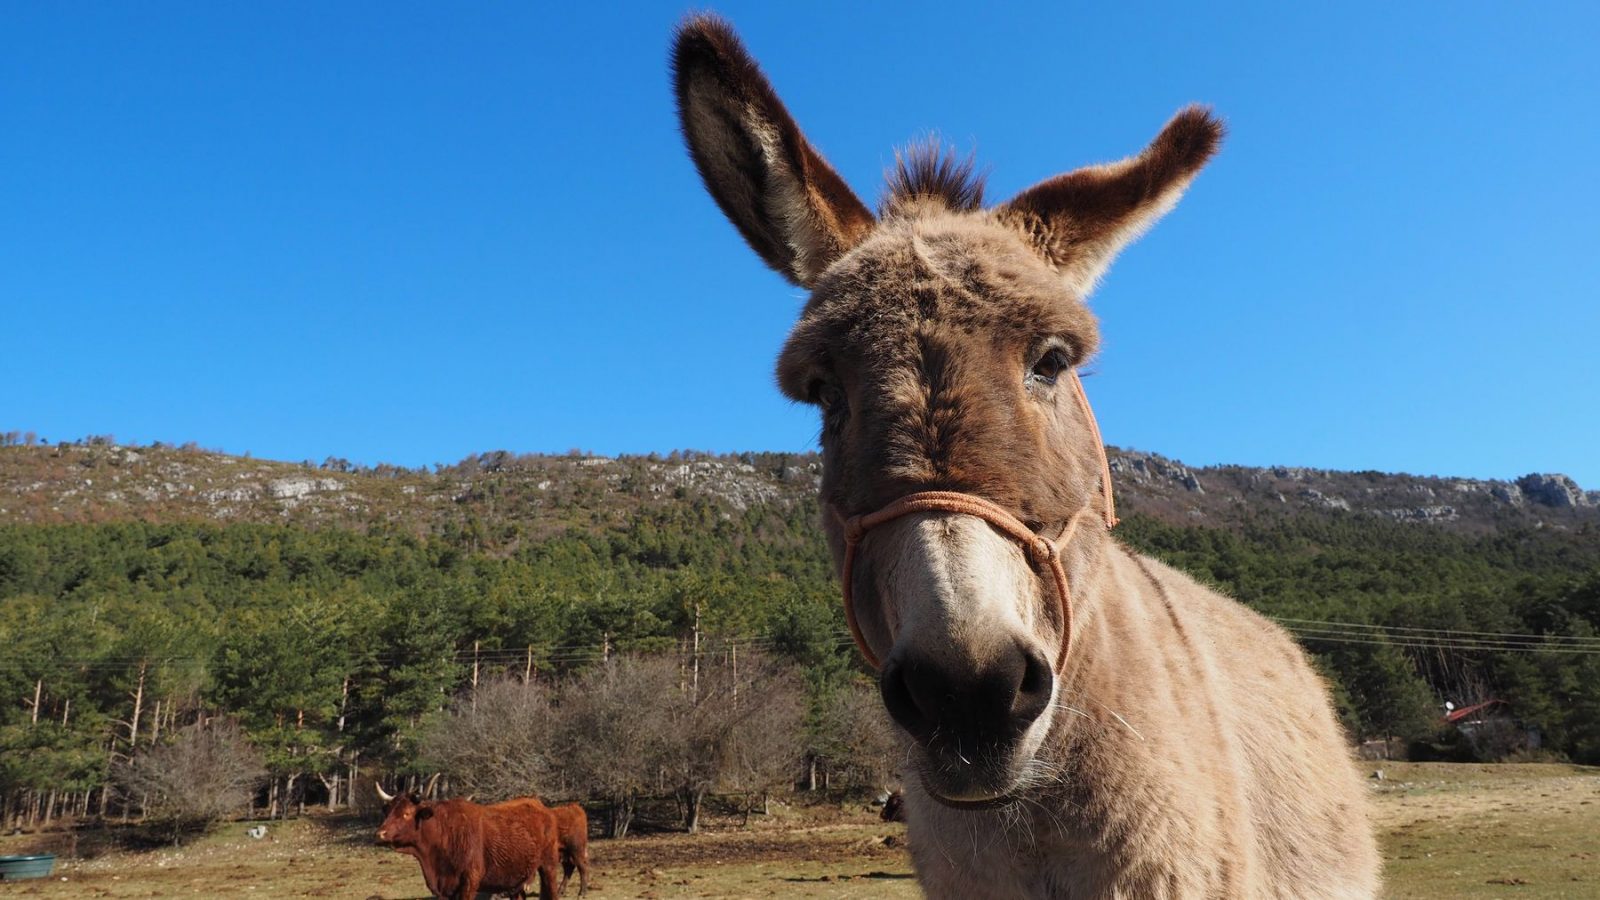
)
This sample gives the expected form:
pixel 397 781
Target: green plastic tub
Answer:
pixel 16 868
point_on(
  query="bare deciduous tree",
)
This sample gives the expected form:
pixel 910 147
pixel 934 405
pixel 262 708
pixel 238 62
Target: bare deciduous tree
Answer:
pixel 626 729
pixel 853 740
pixel 766 748
pixel 497 744
pixel 609 733
pixel 712 734
pixel 207 771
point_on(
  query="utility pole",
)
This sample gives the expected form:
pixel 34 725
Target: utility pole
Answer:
pixel 138 708
pixel 695 679
pixel 344 700
pixel 475 674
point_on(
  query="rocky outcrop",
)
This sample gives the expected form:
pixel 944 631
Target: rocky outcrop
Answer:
pixel 300 488
pixel 1420 514
pixel 736 484
pixel 1507 493
pixel 1150 469
pixel 1554 490
pixel 809 474
pixel 1318 498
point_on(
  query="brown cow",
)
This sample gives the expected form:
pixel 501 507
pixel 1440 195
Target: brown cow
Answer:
pixel 572 825
pixel 572 832
pixel 464 847
pixel 894 808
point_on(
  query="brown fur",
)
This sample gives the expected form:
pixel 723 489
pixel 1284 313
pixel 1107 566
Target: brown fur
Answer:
pixel 1189 750
pixel 768 176
pixel 1078 221
pixel 927 171
pixel 572 826
pixel 572 837
pixel 464 847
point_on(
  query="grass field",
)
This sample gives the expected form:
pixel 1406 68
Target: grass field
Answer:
pixel 1524 831
pixel 1490 830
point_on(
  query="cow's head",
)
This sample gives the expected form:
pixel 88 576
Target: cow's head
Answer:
pixel 401 816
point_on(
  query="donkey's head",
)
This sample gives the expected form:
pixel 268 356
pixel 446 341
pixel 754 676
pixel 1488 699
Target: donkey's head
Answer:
pixel 938 341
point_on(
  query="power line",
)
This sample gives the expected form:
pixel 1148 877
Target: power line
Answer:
pixel 1434 639
pixel 1423 644
pixel 1438 638
pixel 546 652
pixel 1313 630
pixel 1290 622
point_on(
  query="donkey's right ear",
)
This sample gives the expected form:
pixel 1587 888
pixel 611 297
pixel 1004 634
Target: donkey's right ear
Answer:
pixel 789 204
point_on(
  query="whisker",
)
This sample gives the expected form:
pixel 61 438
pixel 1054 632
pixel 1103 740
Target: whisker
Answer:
pixel 1072 709
pixel 1118 717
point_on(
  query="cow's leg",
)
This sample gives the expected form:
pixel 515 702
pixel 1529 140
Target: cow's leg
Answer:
pixel 429 876
pixel 444 886
pixel 549 887
pixel 582 857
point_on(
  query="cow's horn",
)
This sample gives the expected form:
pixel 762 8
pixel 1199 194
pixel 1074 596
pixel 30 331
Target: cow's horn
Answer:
pixel 379 786
pixel 428 791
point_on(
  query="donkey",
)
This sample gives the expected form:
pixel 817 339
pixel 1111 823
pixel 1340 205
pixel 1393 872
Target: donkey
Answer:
pixel 1079 720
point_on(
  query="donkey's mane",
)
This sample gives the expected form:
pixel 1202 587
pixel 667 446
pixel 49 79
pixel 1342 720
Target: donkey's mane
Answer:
pixel 927 169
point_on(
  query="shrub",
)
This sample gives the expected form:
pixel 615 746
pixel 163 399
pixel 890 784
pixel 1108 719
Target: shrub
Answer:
pixel 207 771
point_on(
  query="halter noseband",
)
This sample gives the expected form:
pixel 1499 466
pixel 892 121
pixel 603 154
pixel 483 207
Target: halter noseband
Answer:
pixel 1041 550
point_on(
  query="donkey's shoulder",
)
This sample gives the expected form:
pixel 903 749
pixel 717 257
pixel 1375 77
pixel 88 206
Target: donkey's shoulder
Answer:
pixel 1193 598
pixel 1245 646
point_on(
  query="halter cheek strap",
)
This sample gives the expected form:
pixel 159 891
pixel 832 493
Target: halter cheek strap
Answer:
pixel 1041 551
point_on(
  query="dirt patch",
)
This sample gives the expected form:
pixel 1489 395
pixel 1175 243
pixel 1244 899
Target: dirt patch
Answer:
pixel 818 844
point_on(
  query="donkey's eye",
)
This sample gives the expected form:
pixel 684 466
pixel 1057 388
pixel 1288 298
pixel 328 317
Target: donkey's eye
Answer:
pixel 1050 366
pixel 825 394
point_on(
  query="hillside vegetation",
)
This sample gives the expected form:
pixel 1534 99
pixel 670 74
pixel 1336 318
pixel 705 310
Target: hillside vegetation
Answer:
pixel 336 611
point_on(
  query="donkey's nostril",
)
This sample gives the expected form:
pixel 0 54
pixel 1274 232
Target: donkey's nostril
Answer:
pixel 1033 691
pixel 902 703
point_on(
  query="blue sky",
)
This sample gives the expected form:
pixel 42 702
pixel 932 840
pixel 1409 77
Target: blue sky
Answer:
pixel 409 232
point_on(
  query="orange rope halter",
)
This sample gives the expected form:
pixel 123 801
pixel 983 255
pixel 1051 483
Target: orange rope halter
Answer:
pixel 1040 550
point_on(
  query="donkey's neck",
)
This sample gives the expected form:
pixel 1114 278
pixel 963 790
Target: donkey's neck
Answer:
pixel 1093 706
pixel 1138 723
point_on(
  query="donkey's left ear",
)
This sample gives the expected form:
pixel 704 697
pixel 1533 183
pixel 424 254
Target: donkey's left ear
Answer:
pixel 1081 220
pixel 790 205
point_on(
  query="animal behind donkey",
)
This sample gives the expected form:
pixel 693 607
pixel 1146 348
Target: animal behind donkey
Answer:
pixel 1080 720
pixel 465 847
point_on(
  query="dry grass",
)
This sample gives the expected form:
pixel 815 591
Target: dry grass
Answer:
pixel 820 852
pixel 1490 831
pixel 1448 831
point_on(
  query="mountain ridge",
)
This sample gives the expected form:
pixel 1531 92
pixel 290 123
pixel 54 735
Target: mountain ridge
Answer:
pixel 97 480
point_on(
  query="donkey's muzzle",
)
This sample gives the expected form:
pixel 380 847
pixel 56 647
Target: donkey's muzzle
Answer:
pixel 967 714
